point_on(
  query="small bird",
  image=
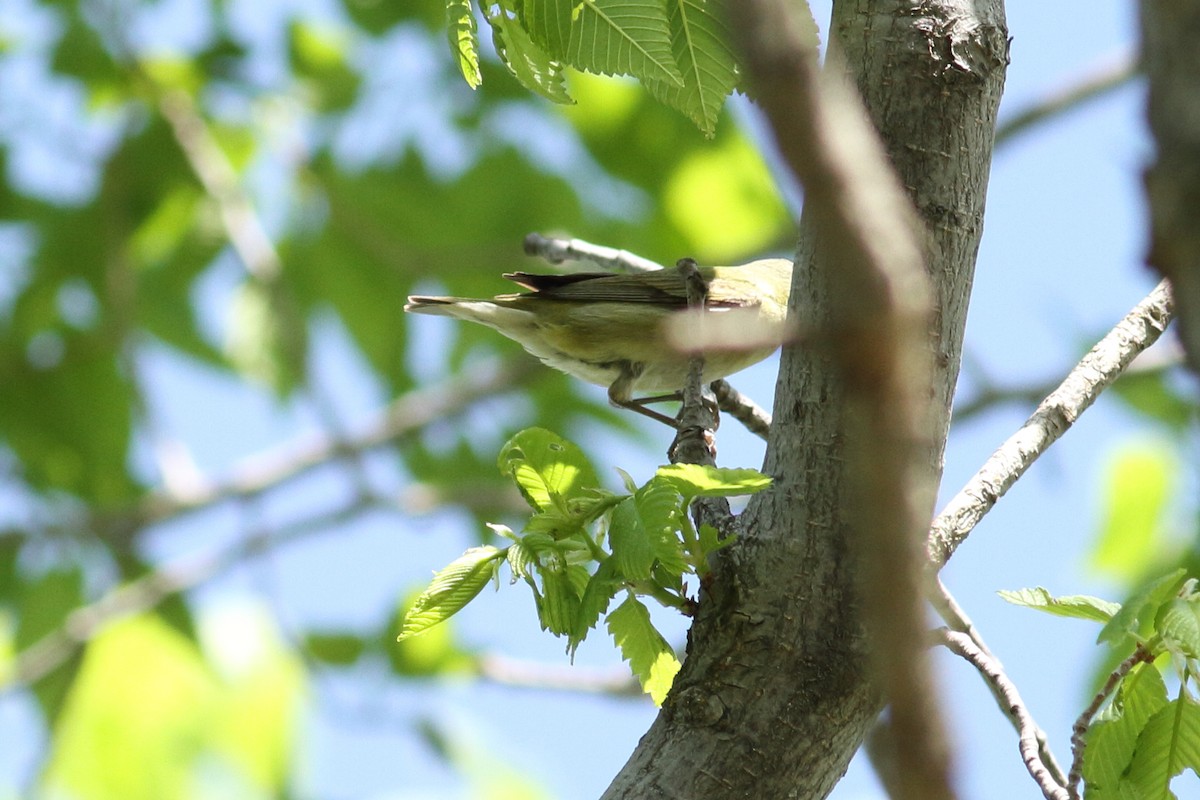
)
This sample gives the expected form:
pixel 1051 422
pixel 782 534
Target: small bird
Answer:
pixel 613 329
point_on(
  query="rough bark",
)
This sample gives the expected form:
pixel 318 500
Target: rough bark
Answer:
pixel 1170 33
pixel 775 697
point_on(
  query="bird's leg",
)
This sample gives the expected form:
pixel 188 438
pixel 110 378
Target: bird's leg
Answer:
pixel 620 394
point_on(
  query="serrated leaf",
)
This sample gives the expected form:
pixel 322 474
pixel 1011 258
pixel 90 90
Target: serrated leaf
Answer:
pixel 1168 744
pixel 642 530
pixel 650 657
pixel 699 39
pixel 558 604
pixel 548 469
pixel 521 561
pixel 1179 627
pixel 527 62
pixel 602 586
pixel 1148 599
pixel 1112 739
pixel 710 541
pixel 464 41
pixel 451 589
pixel 608 37
pixel 661 509
pixel 696 480
pixel 1079 606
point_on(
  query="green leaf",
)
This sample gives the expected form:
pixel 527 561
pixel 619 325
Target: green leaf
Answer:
pixel 451 589
pixel 608 37
pixel 695 480
pixel 699 38
pixel 1137 487
pixel 1142 608
pixel 527 62
pixel 1079 606
pixel 602 586
pixel 630 542
pixel 548 469
pixel 464 42
pixel 1113 737
pixel 558 604
pixel 661 510
pixel 650 657
pixel 710 541
pixel 1168 744
pixel 339 649
pixel 1179 627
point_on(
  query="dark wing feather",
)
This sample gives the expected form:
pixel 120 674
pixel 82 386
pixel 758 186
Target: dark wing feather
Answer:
pixel 662 288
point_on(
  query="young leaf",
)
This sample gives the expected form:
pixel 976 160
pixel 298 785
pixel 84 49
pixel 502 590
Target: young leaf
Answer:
pixel 464 43
pixel 661 508
pixel 597 595
pixel 1079 606
pixel 710 541
pixel 695 480
pixel 642 528
pixel 607 37
pixel 650 657
pixel 451 589
pixel 1169 744
pixel 698 42
pixel 548 469
pixel 527 62
pixel 1112 739
pixel 558 605
pixel 1126 621
pixel 1179 627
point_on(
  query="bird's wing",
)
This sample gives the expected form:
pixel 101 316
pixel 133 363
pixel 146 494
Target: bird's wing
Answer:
pixel 662 288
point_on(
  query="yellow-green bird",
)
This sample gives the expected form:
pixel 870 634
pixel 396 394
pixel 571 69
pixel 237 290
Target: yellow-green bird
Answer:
pixel 613 329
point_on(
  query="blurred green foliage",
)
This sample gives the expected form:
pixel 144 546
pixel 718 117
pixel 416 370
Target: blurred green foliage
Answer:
pixel 212 182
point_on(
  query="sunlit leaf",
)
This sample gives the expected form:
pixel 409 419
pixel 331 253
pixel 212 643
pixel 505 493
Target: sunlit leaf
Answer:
pixel 650 657
pixel 452 588
pixel 1078 606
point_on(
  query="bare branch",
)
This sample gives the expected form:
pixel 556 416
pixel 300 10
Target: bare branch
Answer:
pixel 956 618
pixel 1080 728
pixel 52 650
pixel 737 405
pixel 1140 328
pixel 1101 79
pixel 532 675
pixel 1027 742
pixel 556 251
pixel 265 472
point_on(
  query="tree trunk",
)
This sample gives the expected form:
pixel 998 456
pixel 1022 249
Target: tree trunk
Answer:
pixel 774 697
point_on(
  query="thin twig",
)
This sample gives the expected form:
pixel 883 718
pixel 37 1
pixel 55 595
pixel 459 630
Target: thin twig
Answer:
pixel 1080 728
pixel 557 250
pixel 1027 742
pixel 1140 328
pixel 1112 74
pixel 268 471
pixel 531 675
pixel 737 405
pixel 956 618
pixel 52 650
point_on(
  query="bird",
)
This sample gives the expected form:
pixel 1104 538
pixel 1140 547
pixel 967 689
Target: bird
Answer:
pixel 615 329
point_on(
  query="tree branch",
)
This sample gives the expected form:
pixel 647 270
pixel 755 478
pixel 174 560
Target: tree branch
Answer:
pixel 950 611
pixel 142 594
pixel 1080 728
pixel 1027 741
pixel 1172 61
pixel 1139 329
pixel 1100 80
